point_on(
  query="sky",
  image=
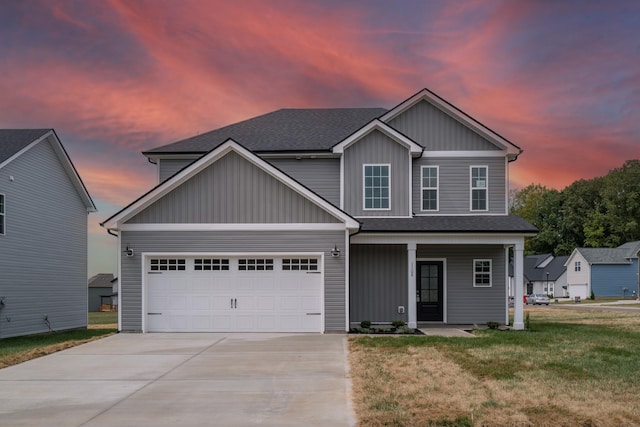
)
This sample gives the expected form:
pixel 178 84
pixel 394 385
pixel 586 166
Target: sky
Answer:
pixel 560 79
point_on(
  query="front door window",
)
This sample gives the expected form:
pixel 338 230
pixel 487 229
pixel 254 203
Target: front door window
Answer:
pixel 429 291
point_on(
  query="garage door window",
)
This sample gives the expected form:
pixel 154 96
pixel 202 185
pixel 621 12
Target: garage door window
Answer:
pixel 294 264
pixel 209 264
pixel 255 264
pixel 168 264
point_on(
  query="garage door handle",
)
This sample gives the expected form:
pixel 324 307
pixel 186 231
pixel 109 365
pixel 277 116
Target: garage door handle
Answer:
pixel 314 314
pixel 313 272
pixel 154 272
pixel 154 314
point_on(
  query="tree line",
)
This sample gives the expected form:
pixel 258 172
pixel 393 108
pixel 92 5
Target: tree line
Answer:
pixel 600 212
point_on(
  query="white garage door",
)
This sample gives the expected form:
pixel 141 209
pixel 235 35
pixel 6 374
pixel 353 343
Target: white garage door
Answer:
pixel 578 290
pixel 234 294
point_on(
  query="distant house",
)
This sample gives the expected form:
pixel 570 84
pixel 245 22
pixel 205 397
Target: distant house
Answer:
pixel 43 235
pixel 607 272
pixel 545 274
pixel 114 294
pixel 100 290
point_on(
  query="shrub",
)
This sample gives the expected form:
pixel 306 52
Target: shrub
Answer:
pixel 365 324
pixel 527 322
pixel 397 324
pixel 593 296
pixel 493 325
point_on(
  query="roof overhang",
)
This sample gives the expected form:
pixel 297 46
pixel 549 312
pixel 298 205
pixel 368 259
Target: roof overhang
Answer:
pixel 376 125
pixel 116 221
pixel 512 150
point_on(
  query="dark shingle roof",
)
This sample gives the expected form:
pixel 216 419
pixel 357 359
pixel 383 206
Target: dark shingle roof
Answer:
pixel 14 140
pixel 101 280
pixel 619 255
pixel 448 224
pixel 555 268
pixel 282 130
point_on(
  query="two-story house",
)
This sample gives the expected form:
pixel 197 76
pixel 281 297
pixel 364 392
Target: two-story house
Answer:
pixel 43 235
pixel 312 220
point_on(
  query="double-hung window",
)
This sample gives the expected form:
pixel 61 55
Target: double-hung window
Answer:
pixel 2 214
pixel 479 196
pixel 577 266
pixel 430 188
pixel 376 180
pixel 482 273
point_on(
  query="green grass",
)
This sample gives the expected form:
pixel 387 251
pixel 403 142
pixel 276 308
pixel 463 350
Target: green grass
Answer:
pixel 103 317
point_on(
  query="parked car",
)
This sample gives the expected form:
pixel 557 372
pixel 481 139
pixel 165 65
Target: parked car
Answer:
pixel 537 299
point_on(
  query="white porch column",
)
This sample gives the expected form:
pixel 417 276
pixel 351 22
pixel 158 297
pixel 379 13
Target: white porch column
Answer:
pixel 411 286
pixel 518 278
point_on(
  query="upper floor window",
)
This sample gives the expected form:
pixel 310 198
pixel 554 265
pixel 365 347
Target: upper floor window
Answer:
pixel 577 266
pixel 482 273
pixel 430 188
pixel 2 214
pixel 376 186
pixel 479 188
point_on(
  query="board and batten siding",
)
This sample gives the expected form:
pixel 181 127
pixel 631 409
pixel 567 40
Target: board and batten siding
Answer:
pixel 320 175
pixel 378 282
pixel 437 131
pixel 168 167
pixel 43 255
pixel 224 242
pixel 376 148
pixel 455 184
pixel 467 304
pixel 233 190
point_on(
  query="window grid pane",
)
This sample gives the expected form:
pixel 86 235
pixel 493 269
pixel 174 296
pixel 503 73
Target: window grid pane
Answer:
pixel 479 188
pixel 429 188
pixel 300 264
pixel 259 264
pixel 173 264
pixel 210 264
pixel 376 187
pixel 482 273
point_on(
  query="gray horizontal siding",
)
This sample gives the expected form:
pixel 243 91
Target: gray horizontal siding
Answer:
pixel 465 303
pixel 43 256
pixel 168 167
pixel 263 242
pixel 376 148
pixel 378 282
pixel 437 131
pixel 320 175
pixel 232 190
pixel 455 184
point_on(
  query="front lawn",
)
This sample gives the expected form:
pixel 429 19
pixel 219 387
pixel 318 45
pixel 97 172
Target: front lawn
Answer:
pixel 574 368
pixel 20 349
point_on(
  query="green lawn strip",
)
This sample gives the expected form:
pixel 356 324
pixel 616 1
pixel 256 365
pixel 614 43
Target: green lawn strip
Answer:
pixel 103 317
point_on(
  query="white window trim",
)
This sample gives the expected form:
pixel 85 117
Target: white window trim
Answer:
pixel 475 285
pixel 364 198
pixel 577 266
pixel 3 215
pixel 471 188
pixel 437 188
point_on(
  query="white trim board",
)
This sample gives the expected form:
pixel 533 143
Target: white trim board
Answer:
pixel 234 227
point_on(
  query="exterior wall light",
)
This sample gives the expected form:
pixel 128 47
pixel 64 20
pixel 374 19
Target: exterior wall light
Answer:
pixel 128 252
pixel 335 252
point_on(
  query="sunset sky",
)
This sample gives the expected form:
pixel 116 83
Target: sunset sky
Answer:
pixel 561 79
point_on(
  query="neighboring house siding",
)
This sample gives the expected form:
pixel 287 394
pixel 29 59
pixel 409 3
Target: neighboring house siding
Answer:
pixel 467 304
pixel 609 280
pixel 221 242
pixel 95 297
pixel 578 277
pixel 320 175
pixel 232 190
pixel 376 148
pixel 455 186
pixel 168 167
pixel 43 256
pixel 378 282
pixel 437 131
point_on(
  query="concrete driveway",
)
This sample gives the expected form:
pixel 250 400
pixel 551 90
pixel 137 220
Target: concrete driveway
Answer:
pixel 184 380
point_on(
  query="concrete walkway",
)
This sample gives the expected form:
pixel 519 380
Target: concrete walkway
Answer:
pixel 183 380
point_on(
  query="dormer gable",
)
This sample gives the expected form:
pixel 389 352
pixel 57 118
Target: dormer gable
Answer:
pixel 376 125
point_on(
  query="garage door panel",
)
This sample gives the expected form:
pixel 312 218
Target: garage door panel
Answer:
pixel 207 299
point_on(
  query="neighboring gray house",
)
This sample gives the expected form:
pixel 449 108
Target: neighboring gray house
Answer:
pixel 43 235
pixel 100 290
pixel 545 274
pixel 607 272
pixel 312 220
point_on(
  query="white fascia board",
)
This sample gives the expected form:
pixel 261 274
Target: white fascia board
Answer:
pixel 176 156
pixel 469 153
pixel 458 115
pixel 235 227
pixel 193 169
pixel 439 238
pixel 414 148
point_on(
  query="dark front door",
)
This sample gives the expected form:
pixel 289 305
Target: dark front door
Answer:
pixel 429 291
